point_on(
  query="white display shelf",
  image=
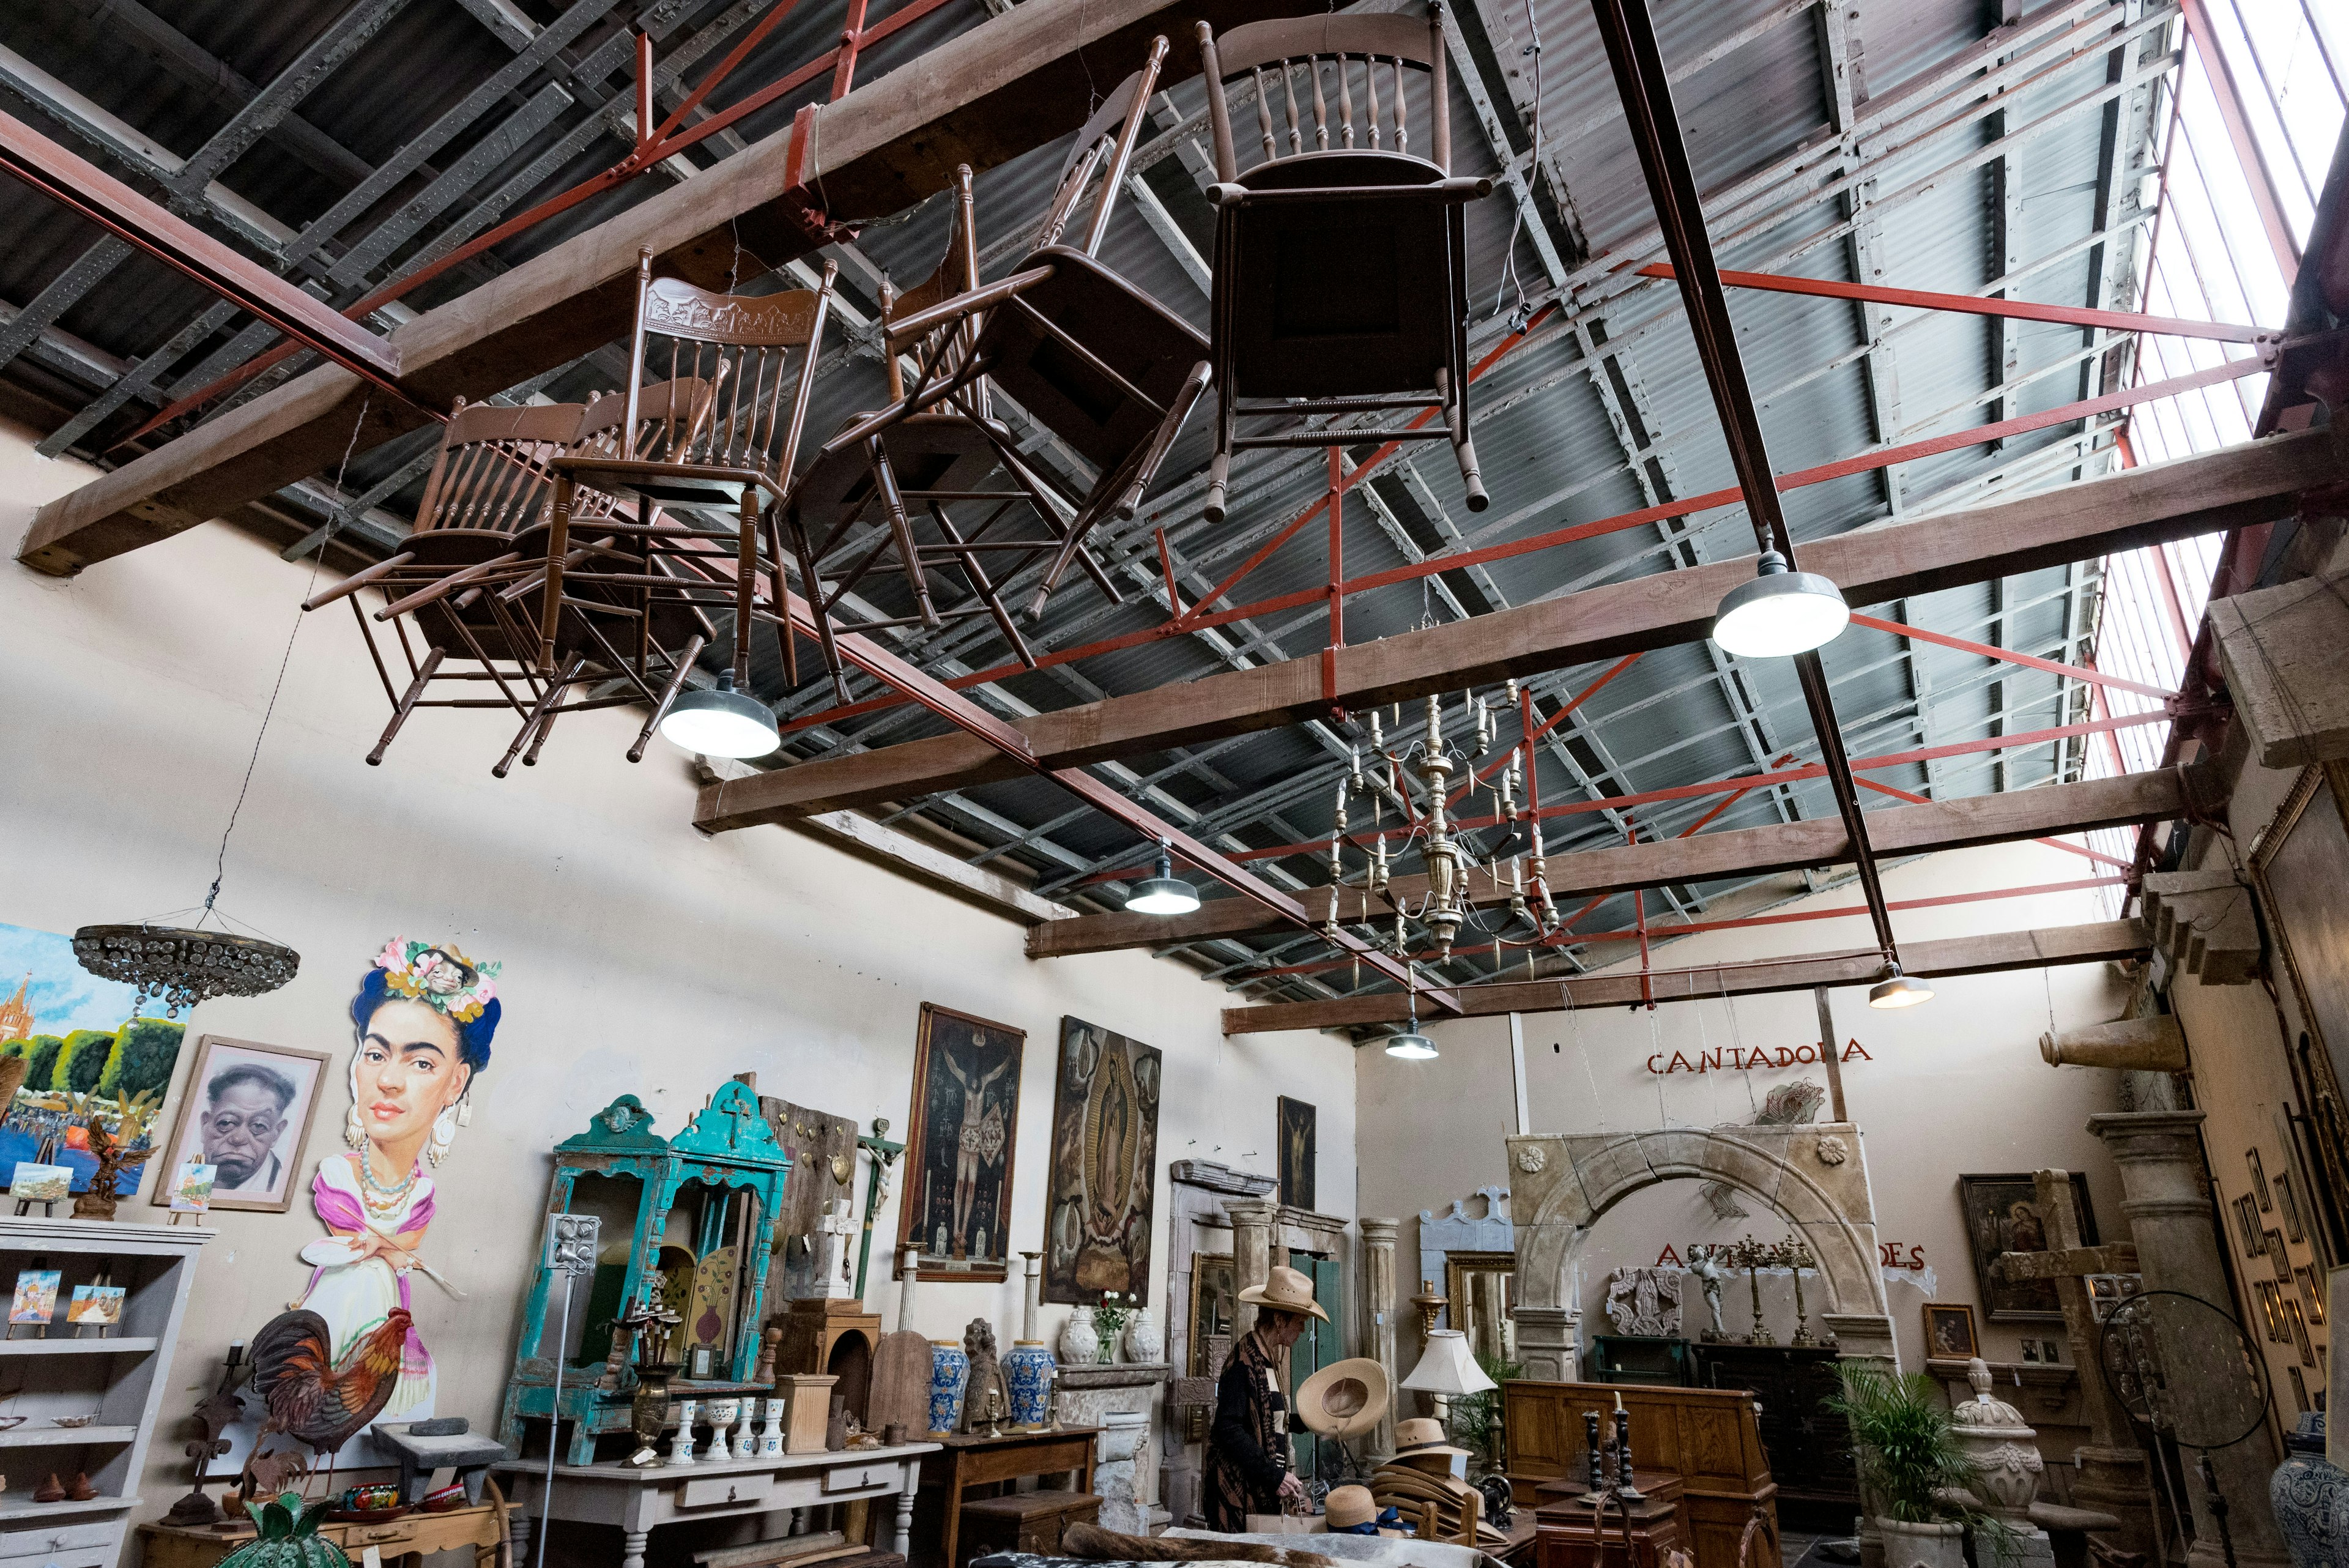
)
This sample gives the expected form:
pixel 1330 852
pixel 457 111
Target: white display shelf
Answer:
pixel 129 1344
pixel 19 1512
pixel 31 1436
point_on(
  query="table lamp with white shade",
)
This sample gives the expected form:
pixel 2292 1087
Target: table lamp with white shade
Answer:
pixel 1447 1369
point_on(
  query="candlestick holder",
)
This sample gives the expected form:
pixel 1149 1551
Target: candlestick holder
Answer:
pixel 1797 1256
pixel 1751 1256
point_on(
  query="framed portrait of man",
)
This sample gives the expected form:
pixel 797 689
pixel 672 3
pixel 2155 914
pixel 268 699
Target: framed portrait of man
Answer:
pixel 246 1112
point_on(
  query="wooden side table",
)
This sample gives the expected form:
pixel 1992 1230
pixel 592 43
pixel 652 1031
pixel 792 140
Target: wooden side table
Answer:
pixel 406 1540
pixel 1568 1535
pixel 965 1463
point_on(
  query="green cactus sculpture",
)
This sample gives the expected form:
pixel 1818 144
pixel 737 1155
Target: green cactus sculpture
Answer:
pixel 288 1539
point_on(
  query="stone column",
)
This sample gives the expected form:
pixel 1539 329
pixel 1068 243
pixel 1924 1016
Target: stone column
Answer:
pixel 1379 1308
pixel 1253 1219
pixel 1548 1344
pixel 2168 1207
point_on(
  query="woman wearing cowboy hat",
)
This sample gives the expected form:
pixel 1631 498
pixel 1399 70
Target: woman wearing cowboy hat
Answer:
pixel 1247 1447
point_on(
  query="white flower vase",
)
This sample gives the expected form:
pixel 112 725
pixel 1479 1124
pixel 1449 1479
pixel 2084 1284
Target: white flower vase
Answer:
pixel 1145 1341
pixel 1079 1345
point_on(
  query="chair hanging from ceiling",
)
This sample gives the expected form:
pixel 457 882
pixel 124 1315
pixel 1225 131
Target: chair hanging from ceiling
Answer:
pixel 1091 356
pixel 1339 265
pixel 543 574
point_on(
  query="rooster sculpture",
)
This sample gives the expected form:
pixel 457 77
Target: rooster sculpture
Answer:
pixel 313 1398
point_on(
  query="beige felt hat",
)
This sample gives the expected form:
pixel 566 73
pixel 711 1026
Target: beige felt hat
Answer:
pixel 1348 1506
pixel 1422 1435
pixel 1344 1399
pixel 1286 1290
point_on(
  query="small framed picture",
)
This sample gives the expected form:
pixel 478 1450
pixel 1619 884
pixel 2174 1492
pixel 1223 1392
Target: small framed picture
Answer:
pixel 2247 1220
pixel 35 1299
pixel 2299 1333
pixel 2311 1291
pixel 1949 1331
pixel 192 1187
pixel 96 1306
pixel 2288 1203
pixel 2271 1310
pixel 2259 1178
pixel 2051 1351
pixel 2299 1388
pixel 41 1183
pixel 2030 1351
pixel 701 1364
pixel 2278 1259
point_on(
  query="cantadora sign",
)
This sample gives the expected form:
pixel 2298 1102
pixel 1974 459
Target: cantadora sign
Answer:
pixel 1737 1059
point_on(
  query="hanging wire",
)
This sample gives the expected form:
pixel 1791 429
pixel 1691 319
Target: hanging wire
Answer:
pixel 1524 313
pixel 317 557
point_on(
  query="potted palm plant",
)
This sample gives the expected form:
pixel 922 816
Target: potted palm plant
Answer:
pixel 1913 1471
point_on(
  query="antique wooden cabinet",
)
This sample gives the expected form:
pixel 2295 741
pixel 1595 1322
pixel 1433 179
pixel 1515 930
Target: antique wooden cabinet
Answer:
pixel 1809 1446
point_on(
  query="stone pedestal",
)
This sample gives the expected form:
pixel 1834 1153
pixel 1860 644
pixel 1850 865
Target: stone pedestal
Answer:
pixel 2168 1207
pixel 1548 1343
pixel 1379 1308
pixel 1117 1398
pixel 1253 1219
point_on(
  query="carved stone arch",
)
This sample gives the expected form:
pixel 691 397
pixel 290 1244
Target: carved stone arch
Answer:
pixel 1815 1176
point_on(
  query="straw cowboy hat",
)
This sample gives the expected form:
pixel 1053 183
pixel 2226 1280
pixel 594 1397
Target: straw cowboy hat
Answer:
pixel 1348 1506
pixel 1285 1290
pixel 1344 1399
pixel 1422 1435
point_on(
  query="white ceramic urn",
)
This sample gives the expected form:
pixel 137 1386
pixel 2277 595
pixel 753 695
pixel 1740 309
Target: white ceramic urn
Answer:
pixel 1079 1341
pixel 1146 1342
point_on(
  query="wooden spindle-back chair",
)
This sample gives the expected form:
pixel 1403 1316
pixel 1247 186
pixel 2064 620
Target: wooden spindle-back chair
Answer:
pixel 924 491
pixel 720 432
pixel 480 542
pixel 1339 271
pixel 1097 361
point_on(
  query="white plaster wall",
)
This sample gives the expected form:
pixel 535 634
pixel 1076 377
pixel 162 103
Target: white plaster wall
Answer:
pixel 639 955
pixel 1955 1086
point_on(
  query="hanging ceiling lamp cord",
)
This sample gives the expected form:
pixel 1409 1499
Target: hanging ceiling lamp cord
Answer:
pixel 1509 277
pixel 333 521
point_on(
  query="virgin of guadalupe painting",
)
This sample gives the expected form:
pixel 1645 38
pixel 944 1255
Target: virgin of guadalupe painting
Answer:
pixel 959 1148
pixel 1104 1166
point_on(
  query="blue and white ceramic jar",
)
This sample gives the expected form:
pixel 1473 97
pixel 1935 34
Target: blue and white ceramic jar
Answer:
pixel 949 1372
pixel 1027 1370
pixel 2311 1498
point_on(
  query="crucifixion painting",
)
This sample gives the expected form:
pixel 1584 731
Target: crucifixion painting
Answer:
pixel 966 1111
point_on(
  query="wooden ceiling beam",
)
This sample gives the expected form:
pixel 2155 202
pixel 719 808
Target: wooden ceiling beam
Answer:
pixel 2236 486
pixel 2000 818
pixel 1010 85
pixel 2094 943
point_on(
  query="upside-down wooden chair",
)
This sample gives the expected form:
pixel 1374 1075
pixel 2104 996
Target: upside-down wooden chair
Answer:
pixel 905 476
pixel 1097 361
pixel 1340 269
pixel 480 535
pixel 719 434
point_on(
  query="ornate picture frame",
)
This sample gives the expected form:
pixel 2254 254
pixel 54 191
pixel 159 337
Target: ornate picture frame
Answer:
pixel 2001 1214
pixel 233 1081
pixel 1949 1331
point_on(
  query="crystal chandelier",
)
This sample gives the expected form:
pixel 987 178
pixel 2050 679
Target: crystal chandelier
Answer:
pixel 179 966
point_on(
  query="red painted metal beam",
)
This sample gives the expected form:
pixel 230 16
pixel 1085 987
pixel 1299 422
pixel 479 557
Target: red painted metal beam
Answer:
pixel 1976 304
pixel 2009 656
pixel 96 195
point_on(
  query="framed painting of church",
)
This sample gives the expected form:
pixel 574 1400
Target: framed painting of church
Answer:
pixel 1104 1166
pixel 959 1150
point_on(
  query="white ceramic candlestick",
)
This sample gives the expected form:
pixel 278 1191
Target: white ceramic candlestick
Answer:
pixel 746 1436
pixel 770 1441
pixel 681 1451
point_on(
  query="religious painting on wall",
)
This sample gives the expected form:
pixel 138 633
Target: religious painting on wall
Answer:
pixel 958 1151
pixel 1104 1166
pixel 1297 1155
pixel 2001 1215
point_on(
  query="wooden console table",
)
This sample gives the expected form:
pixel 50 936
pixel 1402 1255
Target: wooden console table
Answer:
pixel 967 1464
pixel 639 1502
pixel 411 1538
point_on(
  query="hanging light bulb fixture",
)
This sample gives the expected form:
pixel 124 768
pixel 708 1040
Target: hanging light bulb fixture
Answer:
pixel 1165 893
pixel 1410 1045
pixel 1898 990
pixel 1782 612
pixel 719 721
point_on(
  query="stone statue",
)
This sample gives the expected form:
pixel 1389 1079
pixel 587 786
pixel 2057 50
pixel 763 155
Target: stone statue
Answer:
pixel 1709 1275
pixel 985 1376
